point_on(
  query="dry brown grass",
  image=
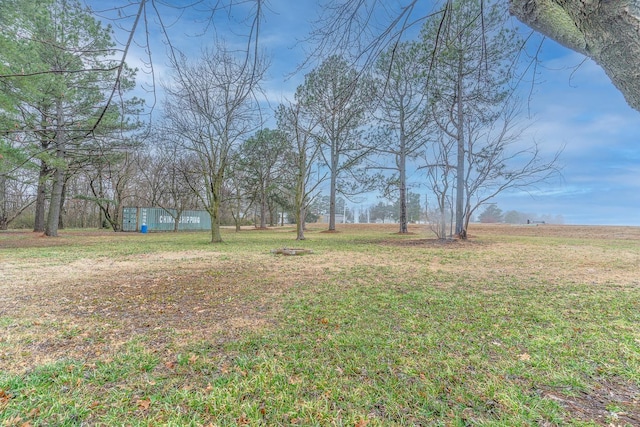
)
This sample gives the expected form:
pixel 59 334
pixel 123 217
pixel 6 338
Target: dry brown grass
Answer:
pixel 88 307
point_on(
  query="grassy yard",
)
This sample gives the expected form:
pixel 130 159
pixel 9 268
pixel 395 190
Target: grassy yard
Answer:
pixel 517 326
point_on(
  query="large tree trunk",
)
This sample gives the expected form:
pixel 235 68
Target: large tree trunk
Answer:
pixel 41 198
pixel 216 237
pixel 301 214
pixel 57 189
pixel 63 199
pixel 214 208
pixel 53 218
pixel 605 30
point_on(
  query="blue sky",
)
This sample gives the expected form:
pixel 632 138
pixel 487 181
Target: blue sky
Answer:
pixel 577 108
pixel 581 110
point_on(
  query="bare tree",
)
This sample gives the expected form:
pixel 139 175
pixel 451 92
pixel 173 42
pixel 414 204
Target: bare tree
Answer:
pixel 17 183
pixel 176 195
pixel 161 179
pixel 82 211
pixel 497 160
pixel 210 108
pixel 151 165
pixel 111 184
pixel 298 128
pixel 440 166
pixel 240 199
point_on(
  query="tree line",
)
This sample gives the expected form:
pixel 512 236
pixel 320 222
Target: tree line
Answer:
pixel 493 214
pixel 442 107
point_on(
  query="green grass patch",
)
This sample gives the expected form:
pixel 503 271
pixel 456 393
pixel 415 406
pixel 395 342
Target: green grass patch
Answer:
pixel 394 335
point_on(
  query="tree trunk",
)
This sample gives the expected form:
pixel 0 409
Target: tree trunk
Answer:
pixel 63 198
pixel 299 201
pixel 238 208
pixel 273 215
pixel 41 198
pixel 214 207
pixel 53 218
pixel 263 210
pixel 332 189
pixel 605 30
pixel 467 218
pixel 402 172
pixel 216 237
pixel 300 220
pixel 332 204
pixel 443 225
pixel 460 166
pixel 403 196
pixel 4 216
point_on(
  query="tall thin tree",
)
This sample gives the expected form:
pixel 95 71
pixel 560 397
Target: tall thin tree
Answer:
pixel 402 116
pixel 338 98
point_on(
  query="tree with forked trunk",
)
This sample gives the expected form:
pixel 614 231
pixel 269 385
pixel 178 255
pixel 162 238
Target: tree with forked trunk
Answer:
pixel 209 110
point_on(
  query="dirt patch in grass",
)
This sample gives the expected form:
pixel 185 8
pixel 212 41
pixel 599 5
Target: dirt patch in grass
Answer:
pixel 88 308
pixel 610 403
